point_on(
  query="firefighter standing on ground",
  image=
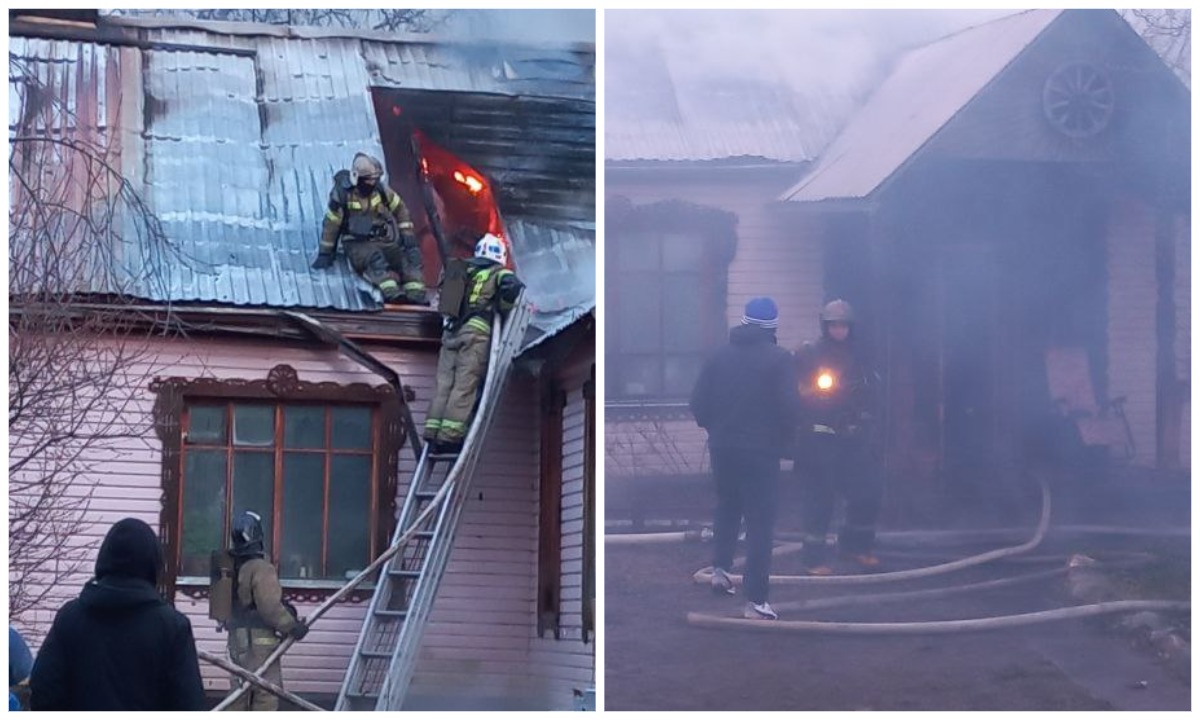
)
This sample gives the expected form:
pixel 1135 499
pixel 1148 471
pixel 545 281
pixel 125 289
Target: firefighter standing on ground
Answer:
pixel 746 399
pixel 367 216
pixel 462 362
pixel 837 444
pixel 259 615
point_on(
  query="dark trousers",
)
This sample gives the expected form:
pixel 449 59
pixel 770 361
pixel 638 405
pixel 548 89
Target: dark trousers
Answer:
pixel 830 466
pixel 747 487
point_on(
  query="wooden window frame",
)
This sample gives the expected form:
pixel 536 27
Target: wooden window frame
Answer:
pixel 716 229
pixel 281 386
pixel 278 450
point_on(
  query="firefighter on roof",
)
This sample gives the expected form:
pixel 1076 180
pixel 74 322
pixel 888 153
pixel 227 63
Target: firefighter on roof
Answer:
pixel 463 360
pixel 259 614
pixel 377 231
pixel 837 442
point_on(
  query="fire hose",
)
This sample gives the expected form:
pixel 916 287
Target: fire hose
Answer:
pixel 704 575
pixel 345 590
pixel 944 626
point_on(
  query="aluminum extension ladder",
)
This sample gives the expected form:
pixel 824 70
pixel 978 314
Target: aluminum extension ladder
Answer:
pixel 385 656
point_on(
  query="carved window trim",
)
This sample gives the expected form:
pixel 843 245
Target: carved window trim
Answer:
pixel 282 384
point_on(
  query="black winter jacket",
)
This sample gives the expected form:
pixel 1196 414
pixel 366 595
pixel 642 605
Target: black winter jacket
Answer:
pixel 746 396
pixel 119 646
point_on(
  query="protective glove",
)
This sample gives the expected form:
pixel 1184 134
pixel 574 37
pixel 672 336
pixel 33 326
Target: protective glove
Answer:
pixel 323 261
pixel 299 630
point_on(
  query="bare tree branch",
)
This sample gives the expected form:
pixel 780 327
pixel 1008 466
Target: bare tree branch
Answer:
pixel 1169 32
pixel 78 231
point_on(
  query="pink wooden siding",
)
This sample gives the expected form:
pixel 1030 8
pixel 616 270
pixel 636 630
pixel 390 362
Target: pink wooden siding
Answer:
pixel 480 641
pixel 568 663
pixel 1131 326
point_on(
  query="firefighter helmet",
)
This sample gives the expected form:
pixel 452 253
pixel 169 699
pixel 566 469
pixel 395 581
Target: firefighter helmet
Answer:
pixel 365 167
pixel 837 311
pixel 492 248
pixel 247 534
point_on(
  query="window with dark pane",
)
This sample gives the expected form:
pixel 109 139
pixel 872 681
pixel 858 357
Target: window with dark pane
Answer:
pixel 665 312
pixel 308 469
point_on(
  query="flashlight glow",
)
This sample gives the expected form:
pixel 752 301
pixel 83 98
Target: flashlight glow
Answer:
pixel 825 381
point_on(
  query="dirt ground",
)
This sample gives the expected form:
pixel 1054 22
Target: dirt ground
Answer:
pixel 655 660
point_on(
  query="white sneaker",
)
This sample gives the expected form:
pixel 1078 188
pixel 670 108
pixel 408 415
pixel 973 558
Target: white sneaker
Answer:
pixel 722 583
pixel 759 611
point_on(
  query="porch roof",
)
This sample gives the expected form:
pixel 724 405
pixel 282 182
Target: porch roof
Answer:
pixel 929 86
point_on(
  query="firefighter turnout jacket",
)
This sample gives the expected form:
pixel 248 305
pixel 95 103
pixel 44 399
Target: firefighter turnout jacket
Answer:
pixel 363 215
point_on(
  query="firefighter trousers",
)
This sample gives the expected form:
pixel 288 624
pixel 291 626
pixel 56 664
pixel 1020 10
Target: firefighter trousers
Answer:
pixel 747 487
pixel 249 648
pixel 831 466
pixel 393 267
pixel 462 367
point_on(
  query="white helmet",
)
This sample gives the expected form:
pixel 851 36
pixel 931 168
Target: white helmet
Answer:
pixel 492 248
pixel 365 167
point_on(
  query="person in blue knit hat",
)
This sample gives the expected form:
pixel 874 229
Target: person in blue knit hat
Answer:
pixel 748 401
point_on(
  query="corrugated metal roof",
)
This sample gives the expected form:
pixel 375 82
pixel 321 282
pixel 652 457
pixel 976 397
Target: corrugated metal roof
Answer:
pixel 658 109
pixel 236 154
pixel 928 87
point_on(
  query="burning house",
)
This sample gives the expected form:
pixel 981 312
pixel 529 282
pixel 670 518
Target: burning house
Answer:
pixel 1007 208
pixel 207 150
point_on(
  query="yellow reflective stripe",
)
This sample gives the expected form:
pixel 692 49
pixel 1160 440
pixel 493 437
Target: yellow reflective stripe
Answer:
pixel 481 279
pixel 374 201
pixel 395 201
pixel 414 285
pixel 334 216
pixel 265 641
pixel 388 284
pixel 453 425
pixel 405 226
pixel 433 424
pixel 354 205
pixel 479 324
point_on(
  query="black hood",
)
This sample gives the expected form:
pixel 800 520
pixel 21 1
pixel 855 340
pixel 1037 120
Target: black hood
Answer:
pixel 130 550
pixel 118 593
pixel 751 335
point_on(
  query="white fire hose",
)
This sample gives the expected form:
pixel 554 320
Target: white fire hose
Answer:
pixel 704 576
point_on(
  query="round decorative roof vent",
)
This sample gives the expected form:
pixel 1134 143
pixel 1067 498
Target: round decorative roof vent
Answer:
pixel 1078 100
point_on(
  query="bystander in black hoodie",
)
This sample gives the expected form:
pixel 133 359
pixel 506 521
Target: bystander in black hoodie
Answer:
pixel 119 646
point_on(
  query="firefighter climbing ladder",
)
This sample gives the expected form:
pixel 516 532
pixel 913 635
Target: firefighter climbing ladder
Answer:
pixel 384 658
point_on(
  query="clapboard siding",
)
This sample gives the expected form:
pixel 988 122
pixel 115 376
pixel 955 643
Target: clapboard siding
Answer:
pixel 1132 342
pixel 478 642
pixel 568 663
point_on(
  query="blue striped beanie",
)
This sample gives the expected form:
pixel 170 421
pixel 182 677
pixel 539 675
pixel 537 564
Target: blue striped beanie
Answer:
pixel 761 311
